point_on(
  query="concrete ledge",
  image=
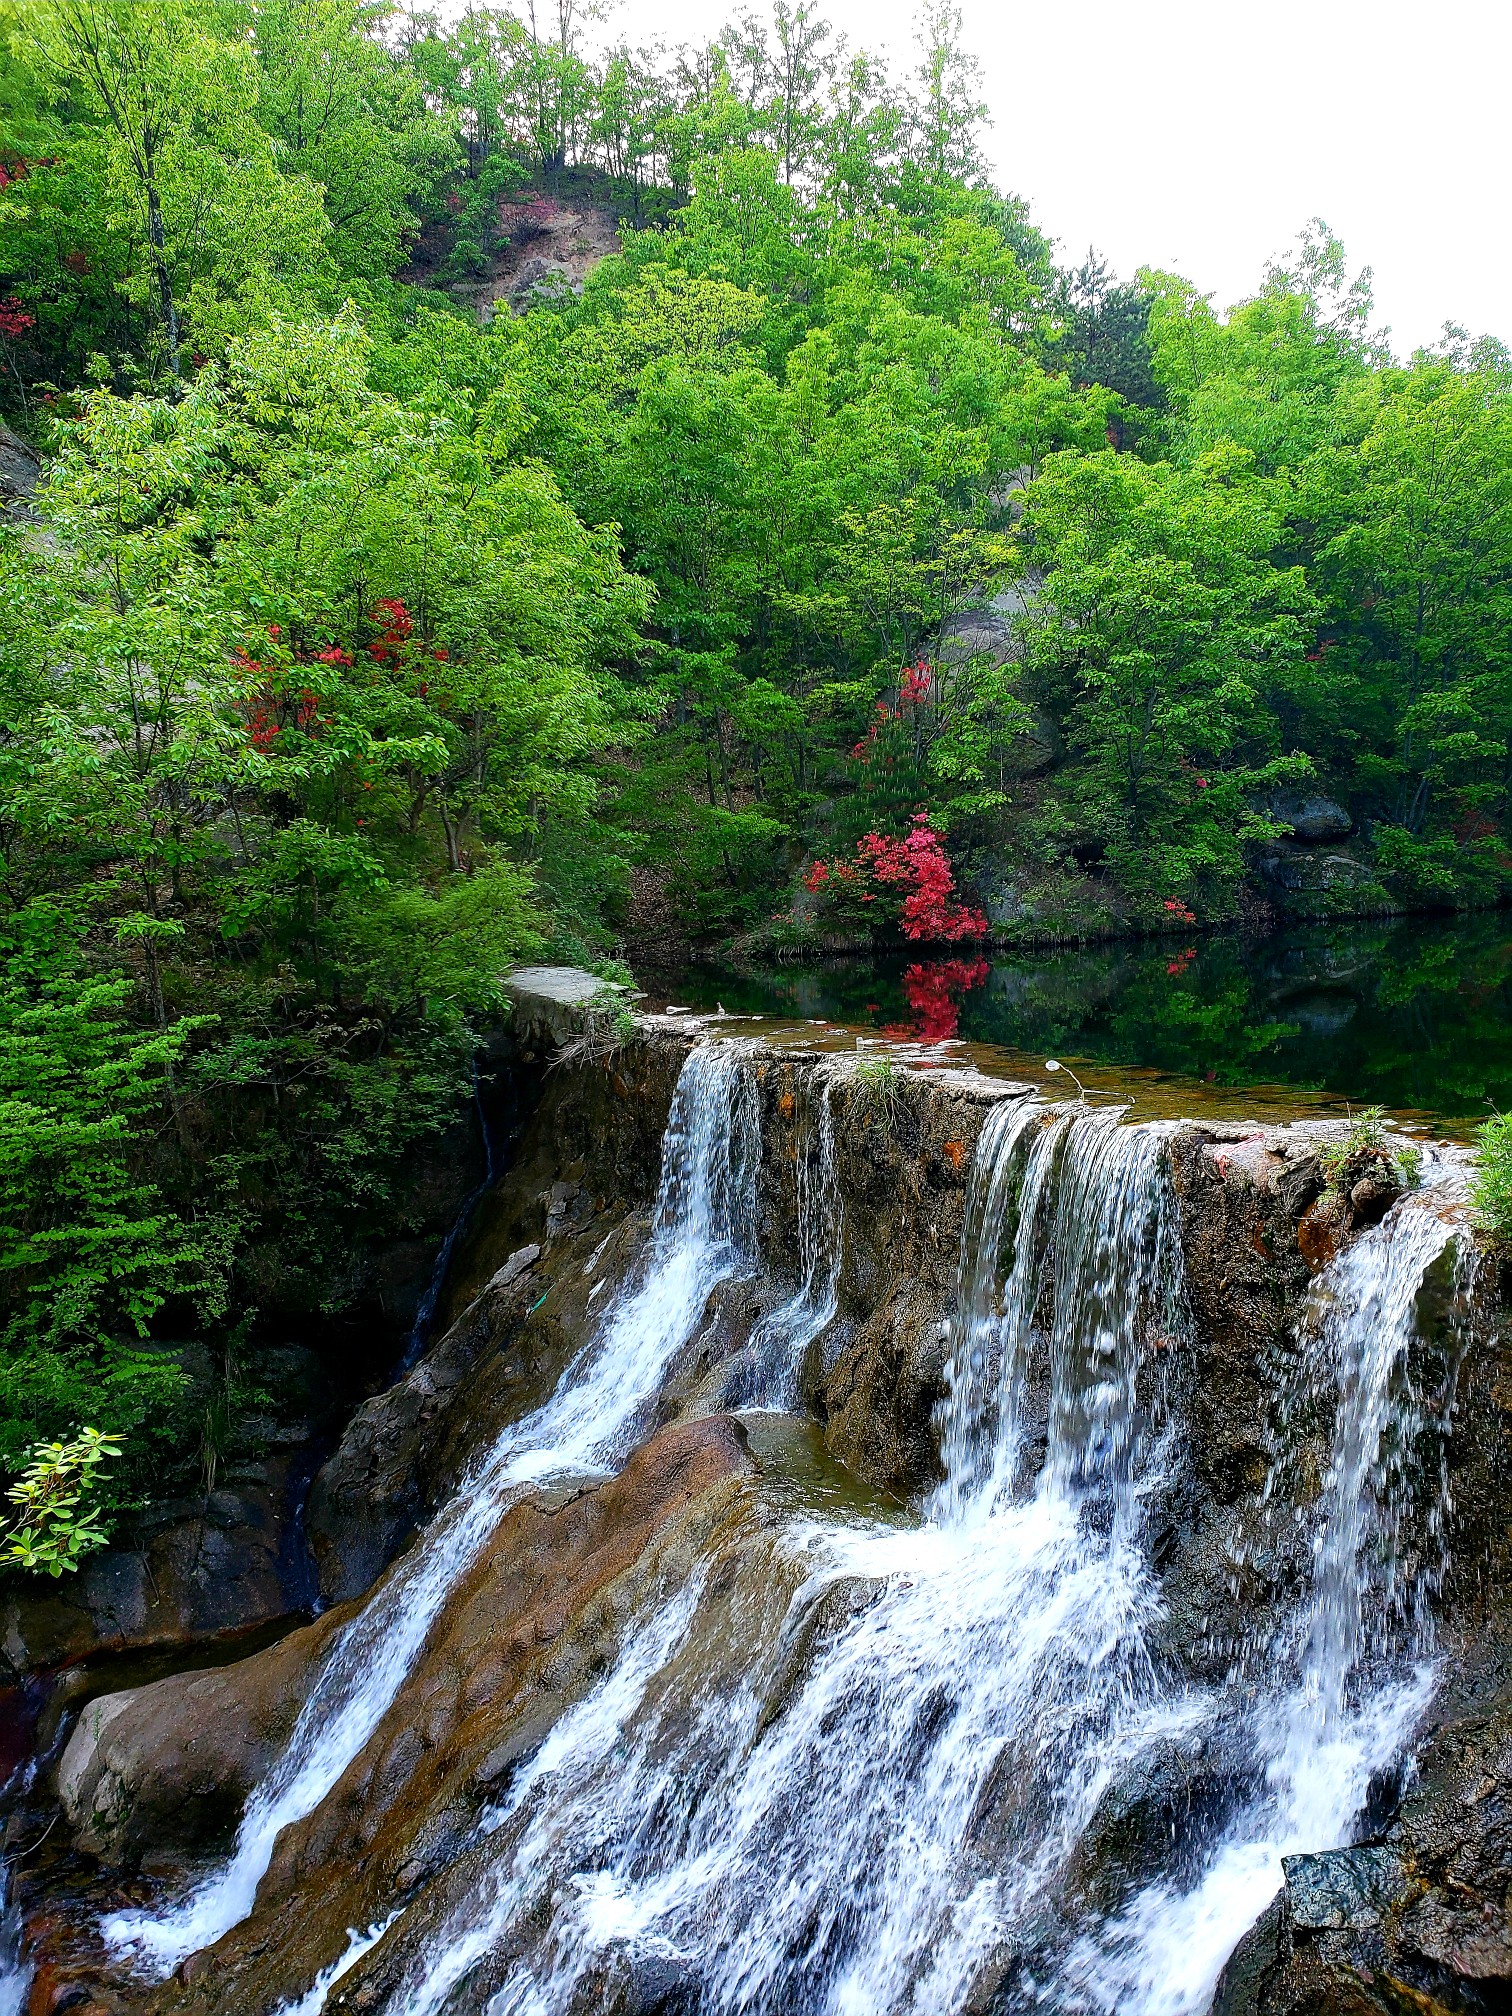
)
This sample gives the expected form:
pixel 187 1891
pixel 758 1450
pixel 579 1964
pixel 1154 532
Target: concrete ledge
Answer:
pixel 553 1001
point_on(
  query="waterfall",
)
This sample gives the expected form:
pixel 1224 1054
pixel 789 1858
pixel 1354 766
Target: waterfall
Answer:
pixel 1092 1192
pixel 701 1235
pixel 862 1767
pixel 872 1839
pixel 1353 1673
pixel 782 1337
pixel 15 1974
pixel 877 1806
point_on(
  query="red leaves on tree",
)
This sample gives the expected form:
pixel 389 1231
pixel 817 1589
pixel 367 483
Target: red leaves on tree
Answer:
pixel 917 869
pixel 269 707
pixel 14 319
pixel 396 626
pixel 914 690
pixel 918 680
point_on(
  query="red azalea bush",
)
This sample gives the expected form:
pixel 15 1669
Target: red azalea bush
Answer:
pixel 272 703
pixel 907 883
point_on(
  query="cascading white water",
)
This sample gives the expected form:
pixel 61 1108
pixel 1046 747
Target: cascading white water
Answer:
pixel 1349 1683
pixel 781 1338
pixel 359 1941
pixel 990 1677
pixel 15 1974
pixel 701 1235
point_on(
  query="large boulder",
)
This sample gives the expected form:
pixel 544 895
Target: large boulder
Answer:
pixel 192 1572
pixel 1309 816
pixel 20 469
pixel 169 1766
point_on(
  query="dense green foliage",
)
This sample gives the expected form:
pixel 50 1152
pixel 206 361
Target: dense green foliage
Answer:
pixel 361 643
pixel 1493 1181
pixel 57 1505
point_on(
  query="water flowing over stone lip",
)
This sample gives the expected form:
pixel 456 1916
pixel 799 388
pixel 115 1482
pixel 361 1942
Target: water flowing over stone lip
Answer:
pixel 550 1001
pixel 1056 1524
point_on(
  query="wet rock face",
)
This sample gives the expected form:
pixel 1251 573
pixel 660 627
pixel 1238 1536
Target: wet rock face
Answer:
pixel 1242 1195
pixel 532 1623
pixel 877 1375
pixel 169 1766
pixel 566 1220
pixel 542 1611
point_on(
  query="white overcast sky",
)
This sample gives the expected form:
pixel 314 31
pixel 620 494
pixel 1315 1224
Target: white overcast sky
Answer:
pixel 1200 137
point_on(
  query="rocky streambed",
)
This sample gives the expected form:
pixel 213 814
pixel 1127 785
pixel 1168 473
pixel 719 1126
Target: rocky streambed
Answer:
pixel 864 1539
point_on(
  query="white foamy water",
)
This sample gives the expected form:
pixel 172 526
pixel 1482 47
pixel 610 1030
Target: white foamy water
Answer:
pixel 702 1234
pixel 905 1817
pixel 953 1726
pixel 15 1973
pixel 1350 1686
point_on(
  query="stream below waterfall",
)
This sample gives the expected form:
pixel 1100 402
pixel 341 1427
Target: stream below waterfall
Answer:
pixel 872 1761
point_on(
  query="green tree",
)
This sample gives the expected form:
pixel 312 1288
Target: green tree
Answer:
pixel 164 123
pixel 1415 559
pixel 1162 626
pixel 347 114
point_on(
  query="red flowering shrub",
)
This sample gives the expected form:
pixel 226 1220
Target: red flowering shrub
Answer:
pixel 14 319
pixel 914 872
pixel 1179 910
pixel 270 705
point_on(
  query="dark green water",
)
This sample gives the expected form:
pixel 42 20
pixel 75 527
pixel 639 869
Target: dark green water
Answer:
pixel 1414 1014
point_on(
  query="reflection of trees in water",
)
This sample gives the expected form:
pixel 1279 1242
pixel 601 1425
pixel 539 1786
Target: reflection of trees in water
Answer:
pixel 933 989
pixel 1408 1013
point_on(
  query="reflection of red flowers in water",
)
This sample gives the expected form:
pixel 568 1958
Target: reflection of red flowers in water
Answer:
pixel 933 995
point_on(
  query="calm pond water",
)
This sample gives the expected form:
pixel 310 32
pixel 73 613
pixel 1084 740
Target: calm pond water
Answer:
pixel 1414 1014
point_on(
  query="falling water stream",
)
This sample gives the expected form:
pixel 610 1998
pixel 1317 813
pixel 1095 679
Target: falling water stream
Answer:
pixel 881 1798
pixel 701 1235
pixel 780 1339
pixel 15 1975
pixel 867 1776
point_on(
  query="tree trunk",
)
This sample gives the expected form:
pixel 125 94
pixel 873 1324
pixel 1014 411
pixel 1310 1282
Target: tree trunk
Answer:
pixel 165 283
